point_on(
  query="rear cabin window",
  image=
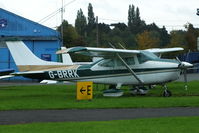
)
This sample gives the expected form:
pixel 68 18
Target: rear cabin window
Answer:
pixel 116 62
pixel 128 60
pixel 107 63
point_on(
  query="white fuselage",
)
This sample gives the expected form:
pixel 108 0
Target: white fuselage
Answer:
pixel 150 72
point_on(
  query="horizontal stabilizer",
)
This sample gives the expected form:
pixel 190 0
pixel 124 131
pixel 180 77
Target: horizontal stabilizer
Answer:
pixel 6 71
pixel 6 76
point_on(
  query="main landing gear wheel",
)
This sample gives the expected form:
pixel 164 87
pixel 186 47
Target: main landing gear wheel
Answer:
pixel 167 93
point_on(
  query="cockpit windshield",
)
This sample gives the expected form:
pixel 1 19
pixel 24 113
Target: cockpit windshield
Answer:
pixel 145 56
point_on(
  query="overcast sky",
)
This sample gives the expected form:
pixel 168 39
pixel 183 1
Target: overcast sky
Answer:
pixel 171 13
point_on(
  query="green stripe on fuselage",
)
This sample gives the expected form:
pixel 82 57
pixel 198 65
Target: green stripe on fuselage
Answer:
pixel 85 72
pixel 77 74
pixel 89 72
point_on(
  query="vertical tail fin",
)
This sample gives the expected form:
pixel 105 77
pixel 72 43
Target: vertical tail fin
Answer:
pixel 26 60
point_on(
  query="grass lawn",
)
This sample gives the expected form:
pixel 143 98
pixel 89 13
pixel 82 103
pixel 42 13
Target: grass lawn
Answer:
pixel 64 96
pixel 147 125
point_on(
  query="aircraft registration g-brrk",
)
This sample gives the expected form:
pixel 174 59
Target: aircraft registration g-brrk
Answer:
pixel 139 69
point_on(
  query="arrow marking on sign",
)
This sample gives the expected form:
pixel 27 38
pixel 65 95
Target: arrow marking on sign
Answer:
pixel 82 90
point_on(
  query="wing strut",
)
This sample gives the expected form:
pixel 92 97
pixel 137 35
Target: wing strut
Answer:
pixel 130 70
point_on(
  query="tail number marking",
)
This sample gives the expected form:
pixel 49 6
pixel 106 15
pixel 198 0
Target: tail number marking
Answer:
pixel 63 74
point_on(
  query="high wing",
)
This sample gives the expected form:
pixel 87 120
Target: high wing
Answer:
pixel 99 52
pixel 110 52
pixel 164 50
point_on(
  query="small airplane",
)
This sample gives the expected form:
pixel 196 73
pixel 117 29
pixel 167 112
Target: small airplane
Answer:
pixel 140 69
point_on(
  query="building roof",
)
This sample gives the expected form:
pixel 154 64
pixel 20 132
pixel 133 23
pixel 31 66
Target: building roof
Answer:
pixel 14 26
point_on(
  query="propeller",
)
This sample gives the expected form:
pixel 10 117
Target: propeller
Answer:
pixel 184 66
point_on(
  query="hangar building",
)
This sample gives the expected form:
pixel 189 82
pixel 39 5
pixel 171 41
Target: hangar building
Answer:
pixel 41 40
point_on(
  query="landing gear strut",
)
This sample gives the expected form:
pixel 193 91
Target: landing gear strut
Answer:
pixel 166 92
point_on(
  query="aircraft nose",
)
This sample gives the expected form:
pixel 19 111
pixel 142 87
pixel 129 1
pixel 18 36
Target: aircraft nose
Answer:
pixel 186 65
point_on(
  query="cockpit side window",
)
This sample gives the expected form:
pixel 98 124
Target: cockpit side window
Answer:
pixel 116 62
pixel 128 60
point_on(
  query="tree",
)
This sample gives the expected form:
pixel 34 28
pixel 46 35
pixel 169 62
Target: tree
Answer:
pixel 70 36
pixel 135 34
pixel 164 37
pixel 131 17
pixel 135 24
pixel 191 37
pixel 103 31
pixel 152 27
pixel 147 39
pixel 120 26
pixel 137 20
pixel 139 24
pixel 178 39
pixel 81 23
pixel 91 17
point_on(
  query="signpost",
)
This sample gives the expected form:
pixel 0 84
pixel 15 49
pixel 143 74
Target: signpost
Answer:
pixel 84 90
